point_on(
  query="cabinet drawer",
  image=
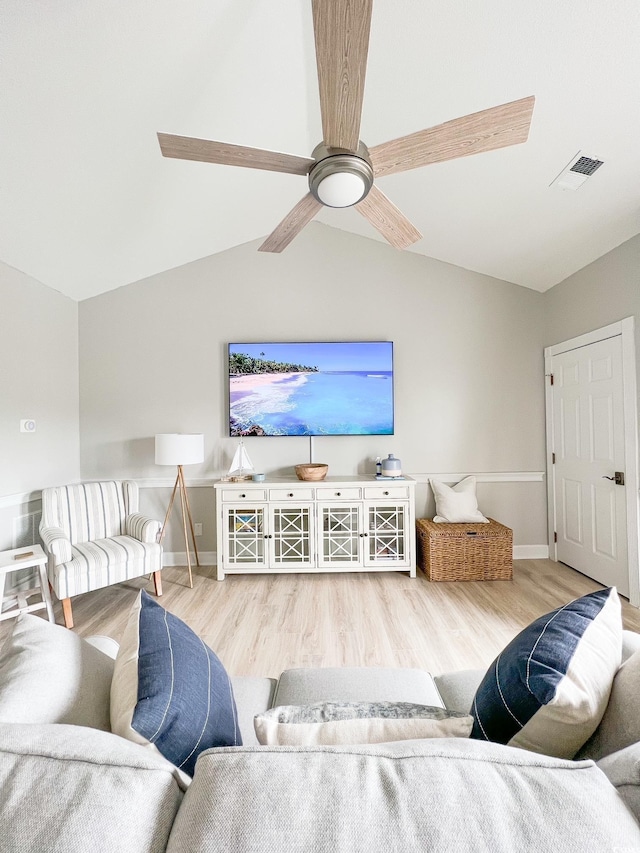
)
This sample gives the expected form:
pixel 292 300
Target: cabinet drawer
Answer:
pixel 336 493
pixel 386 492
pixel 244 494
pixel 293 494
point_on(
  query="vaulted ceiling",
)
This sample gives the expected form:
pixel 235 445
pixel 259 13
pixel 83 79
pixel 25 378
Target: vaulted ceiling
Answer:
pixel 88 204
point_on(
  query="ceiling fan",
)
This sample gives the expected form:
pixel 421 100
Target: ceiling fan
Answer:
pixel 342 170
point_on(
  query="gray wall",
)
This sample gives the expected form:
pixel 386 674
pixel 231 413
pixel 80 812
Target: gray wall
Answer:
pixel 604 292
pixel 39 380
pixel 468 350
pixel 468 361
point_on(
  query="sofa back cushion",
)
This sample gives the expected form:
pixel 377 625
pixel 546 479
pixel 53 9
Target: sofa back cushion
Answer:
pixel 437 795
pixel 50 675
pixel 620 725
pixel 68 788
pixel 308 685
pixel 88 511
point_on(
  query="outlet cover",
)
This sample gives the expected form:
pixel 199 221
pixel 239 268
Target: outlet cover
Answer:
pixel 27 425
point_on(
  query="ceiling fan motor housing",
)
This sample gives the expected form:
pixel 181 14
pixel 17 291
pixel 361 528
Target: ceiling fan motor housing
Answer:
pixel 340 178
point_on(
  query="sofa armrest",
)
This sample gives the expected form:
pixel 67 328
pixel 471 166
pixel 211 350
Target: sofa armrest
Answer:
pixel 56 544
pixel 622 768
pixel 143 528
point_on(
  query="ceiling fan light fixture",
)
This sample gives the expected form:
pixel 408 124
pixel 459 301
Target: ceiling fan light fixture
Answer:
pixel 340 180
pixel 341 189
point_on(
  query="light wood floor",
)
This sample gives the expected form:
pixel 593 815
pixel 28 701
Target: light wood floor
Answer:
pixel 263 624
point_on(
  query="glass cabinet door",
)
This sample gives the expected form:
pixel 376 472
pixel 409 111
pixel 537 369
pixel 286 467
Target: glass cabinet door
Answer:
pixel 388 540
pixel 340 535
pixel 245 535
pixel 290 536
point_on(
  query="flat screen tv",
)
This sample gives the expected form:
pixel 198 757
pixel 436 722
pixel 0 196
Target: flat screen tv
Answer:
pixel 328 388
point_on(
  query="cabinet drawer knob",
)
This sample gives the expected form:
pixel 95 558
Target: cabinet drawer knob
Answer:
pixel 290 495
pixel 243 495
pixel 385 493
pixel 338 494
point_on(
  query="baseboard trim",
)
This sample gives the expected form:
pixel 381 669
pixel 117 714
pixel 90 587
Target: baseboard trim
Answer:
pixel 210 558
pixel 530 552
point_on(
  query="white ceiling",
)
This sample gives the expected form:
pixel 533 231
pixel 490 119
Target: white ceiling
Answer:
pixel 88 204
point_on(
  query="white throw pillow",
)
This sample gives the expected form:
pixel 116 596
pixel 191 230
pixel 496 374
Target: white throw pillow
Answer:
pixel 457 504
pixel 331 723
pixel 50 675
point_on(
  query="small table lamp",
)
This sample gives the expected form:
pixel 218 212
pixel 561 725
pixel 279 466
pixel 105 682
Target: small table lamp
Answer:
pixel 180 449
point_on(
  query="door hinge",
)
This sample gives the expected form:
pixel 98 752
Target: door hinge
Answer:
pixel 551 378
pixel 553 458
pixel 555 536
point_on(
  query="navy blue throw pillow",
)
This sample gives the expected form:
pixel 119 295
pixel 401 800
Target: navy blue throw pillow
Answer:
pixel 548 689
pixel 169 689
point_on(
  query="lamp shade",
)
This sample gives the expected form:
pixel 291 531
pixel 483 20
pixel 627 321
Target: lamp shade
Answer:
pixel 176 448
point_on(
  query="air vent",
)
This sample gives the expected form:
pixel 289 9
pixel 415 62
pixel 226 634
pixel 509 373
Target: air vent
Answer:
pixel 586 166
pixel 576 172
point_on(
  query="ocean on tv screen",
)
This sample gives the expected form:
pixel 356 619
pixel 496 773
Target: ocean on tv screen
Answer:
pixel 316 402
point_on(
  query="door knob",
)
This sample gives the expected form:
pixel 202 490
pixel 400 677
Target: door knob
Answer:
pixel 618 478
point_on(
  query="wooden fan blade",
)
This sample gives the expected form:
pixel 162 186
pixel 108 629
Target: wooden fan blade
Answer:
pixel 487 130
pixel 292 224
pixel 390 222
pixel 207 151
pixel 341 30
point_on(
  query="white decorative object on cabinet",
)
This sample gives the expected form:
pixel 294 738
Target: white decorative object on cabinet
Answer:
pixel 339 525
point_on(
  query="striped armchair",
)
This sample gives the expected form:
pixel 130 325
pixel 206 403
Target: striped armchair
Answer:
pixel 94 537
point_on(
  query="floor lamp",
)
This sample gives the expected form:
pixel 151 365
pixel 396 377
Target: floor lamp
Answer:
pixel 180 449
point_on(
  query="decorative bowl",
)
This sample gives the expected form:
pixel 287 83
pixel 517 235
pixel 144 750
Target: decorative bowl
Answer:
pixel 311 471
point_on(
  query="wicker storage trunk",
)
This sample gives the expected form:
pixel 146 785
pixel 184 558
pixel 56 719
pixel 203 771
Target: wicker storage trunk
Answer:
pixel 465 552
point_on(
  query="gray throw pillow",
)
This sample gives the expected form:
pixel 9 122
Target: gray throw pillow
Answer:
pixel 330 723
pixel 50 675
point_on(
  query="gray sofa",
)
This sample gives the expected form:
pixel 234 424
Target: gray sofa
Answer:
pixel 66 787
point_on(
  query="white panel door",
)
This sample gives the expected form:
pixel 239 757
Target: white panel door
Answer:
pixel 588 443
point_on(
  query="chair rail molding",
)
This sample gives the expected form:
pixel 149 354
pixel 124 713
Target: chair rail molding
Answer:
pixel 485 477
pixel 207 482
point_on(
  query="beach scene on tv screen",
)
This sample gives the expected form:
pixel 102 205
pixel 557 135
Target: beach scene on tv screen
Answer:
pixel 324 388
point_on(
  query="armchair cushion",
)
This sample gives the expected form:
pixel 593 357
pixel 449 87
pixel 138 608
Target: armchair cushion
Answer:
pixel 104 562
pixel 56 544
pixel 142 527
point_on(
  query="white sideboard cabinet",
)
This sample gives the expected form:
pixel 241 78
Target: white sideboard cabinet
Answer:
pixel 358 524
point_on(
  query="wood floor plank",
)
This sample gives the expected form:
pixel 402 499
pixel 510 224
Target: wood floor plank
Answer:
pixel 263 624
